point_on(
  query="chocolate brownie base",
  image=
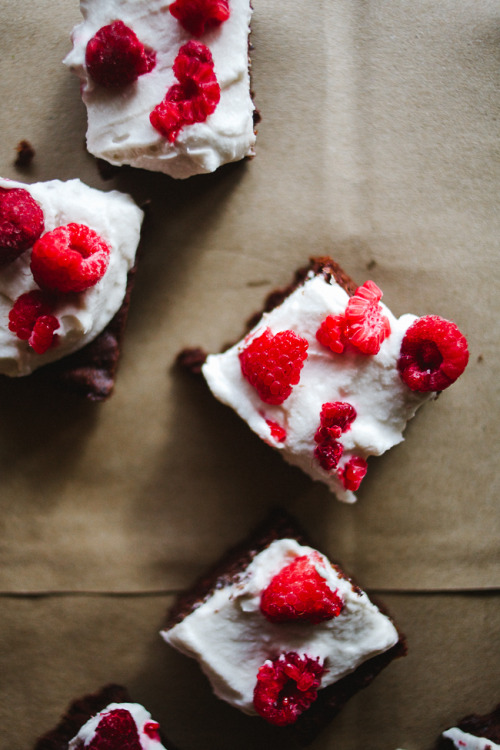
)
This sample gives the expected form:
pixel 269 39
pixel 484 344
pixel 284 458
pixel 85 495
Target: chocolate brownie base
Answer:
pixel 487 726
pixel 280 525
pixel 192 359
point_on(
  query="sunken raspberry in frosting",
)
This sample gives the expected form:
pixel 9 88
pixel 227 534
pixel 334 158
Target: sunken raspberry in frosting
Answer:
pixel 60 292
pixel 330 379
pixel 148 104
pixel 118 726
pixel 290 618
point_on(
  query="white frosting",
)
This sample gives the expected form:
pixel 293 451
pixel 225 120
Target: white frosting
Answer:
pixel 119 129
pixel 466 741
pixel 232 639
pixel 139 715
pixel 371 384
pixel 116 218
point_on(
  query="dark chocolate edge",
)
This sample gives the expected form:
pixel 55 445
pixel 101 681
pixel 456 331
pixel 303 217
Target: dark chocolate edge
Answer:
pixel 331 699
pixel 480 725
pixel 191 359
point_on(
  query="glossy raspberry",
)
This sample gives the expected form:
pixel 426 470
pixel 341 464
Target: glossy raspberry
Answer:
pixel 31 320
pixel 116 731
pixel 328 454
pixel 335 418
pixel 353 473
pixel 21 223
pixel 69 259
pixel 286 686
pixel 272 364
pixel 365 325
pixel 151 729
pixel 277 431
pixel 115 57
pixel 331 333
pixel 199 16
pixel 433 354
pixel 191 100
pixel 300 593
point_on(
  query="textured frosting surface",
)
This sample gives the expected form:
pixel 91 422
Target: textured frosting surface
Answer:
pixel 119 129
pixel 137 712
pixel 117 219
pixel 371 384
pixel 231 638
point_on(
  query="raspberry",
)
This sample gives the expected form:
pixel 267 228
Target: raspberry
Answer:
pixel 272 364
pixel 335 418
pixel 116 731
pixel 328 454
pixel 277 431
pixel 331 333
pixel 21 223
pixel 191 100
pixel 115 57
pixel 31 321
pixel 286 686
pixel 69 259
pixel 199 16
pixel 150 729
pixel 300 592
pixel 365 326
pixel 433 354
pixel 353 473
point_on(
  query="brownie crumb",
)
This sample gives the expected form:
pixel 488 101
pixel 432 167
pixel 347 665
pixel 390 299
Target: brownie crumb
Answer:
pixel 191 360
pixel 25 154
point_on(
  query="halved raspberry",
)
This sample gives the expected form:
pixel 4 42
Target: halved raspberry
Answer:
pixel 277 431
pixel 300 592
pixel 115 57
pixel 21 223
pixel 286 687
pixel 335 418
pixel 272 364
pixel 353 473
pixel 331 333
pixel 365 325
pixel 433 354
pixel 116 731
pixel 31 320
pixel 69 259
pixel 191 100
pixel 199 16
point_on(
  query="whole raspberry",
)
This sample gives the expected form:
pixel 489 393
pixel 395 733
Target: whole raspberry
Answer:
pixel 191 100
pixel 69 259
pixel 286 687
pixel 331 333
pixel 353 473
pixel 21 223
pixel 199 16
pixel 433 354
pixel 335 418
pixel 272 364
pixel 31 320
pixel 300 592
pixel 116 731
pixel 365 326
pixel 115 57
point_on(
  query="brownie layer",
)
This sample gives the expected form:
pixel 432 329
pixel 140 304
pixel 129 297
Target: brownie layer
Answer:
pixel 486 725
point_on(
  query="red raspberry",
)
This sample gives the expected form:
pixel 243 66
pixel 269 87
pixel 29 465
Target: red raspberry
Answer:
pixel 300 592
pixel 69 259
pixel 353 473
pixel 286 686
pixel 277 431
pixel 365 325
pixel 116 731
pixel 433 354
pixel 272 364
pixel 331 333
pixel 191 100
pixel 199 16
pixel 115 57
pixel 31 321
pixel 151 729
pixel 335 418
pixel 328 454
pixel 21 223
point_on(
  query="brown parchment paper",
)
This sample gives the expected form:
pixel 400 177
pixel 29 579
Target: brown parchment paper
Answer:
pixel 378 145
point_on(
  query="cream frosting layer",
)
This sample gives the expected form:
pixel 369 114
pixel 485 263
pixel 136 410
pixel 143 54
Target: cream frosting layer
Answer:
pixel 119 129
pixel 117 219
pixel 231 638
pixel 371 384
pixel 466 741
pixel 137 712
